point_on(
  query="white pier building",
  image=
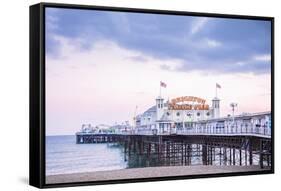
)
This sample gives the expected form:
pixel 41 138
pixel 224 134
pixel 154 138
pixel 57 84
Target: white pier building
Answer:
pixel 192 115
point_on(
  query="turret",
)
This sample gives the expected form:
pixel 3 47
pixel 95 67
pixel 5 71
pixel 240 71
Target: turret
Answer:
pixel 159 107
pixel 216 107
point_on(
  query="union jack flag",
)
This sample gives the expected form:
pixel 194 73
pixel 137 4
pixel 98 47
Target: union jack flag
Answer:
pixel 162 84
pixel 218 86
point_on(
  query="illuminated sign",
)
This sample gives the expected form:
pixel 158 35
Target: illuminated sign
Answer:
pixel 188 103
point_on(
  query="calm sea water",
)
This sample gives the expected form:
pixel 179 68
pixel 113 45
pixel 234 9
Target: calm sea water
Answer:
pixel 64 156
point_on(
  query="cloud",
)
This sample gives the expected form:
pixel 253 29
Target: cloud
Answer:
pixel 204 44
pixel 258 63
pixel 52 20
pixel 138 58
pixel 262 57
pixel 240 63
pixel 64 46
pixel 213 43
pixel 198 24
pixel 253 64
pixel 71 50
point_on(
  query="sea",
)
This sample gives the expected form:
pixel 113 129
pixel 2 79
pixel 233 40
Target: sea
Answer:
pixel 64 156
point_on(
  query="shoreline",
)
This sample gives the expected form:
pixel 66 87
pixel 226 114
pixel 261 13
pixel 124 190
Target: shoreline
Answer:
pixel 148 172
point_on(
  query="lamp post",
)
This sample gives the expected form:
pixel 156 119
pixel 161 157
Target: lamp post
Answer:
pixel 233 105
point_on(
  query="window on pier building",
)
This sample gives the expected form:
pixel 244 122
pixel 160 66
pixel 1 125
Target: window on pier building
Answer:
pixel 188 125
pixel 217 105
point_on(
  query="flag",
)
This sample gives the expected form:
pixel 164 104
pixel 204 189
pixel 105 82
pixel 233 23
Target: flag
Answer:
pixel 218 86
pixel 162 84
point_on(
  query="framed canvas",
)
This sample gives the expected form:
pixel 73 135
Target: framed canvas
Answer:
pixel 123 95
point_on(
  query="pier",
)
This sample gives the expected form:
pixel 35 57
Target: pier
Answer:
pixel 168 150
pixel 243 140
pixel 179 149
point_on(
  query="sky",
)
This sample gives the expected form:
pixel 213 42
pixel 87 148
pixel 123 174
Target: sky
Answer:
pixel 100 65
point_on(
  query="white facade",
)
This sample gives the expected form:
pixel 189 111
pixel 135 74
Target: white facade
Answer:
pixel 170 121
pixel 160 116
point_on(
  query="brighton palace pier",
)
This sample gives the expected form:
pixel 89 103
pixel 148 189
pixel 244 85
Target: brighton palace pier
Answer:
pixel 188 131
pixel 191 115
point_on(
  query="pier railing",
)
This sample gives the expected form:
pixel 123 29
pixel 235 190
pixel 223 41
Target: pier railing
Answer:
pixel 230 130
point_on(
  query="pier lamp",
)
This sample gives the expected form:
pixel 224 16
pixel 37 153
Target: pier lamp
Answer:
pixel 233 105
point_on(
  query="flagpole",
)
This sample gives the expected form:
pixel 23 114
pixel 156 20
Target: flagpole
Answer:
pixel 216 91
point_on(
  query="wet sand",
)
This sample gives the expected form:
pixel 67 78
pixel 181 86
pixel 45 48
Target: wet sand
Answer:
pixel 148 172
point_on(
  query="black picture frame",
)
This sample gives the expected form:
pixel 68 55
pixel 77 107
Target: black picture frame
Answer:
pixel 37 93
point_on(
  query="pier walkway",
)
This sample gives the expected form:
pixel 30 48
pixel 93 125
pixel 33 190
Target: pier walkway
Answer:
pixel 242 130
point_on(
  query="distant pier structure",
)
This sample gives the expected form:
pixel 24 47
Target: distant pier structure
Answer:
pixel 233 140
